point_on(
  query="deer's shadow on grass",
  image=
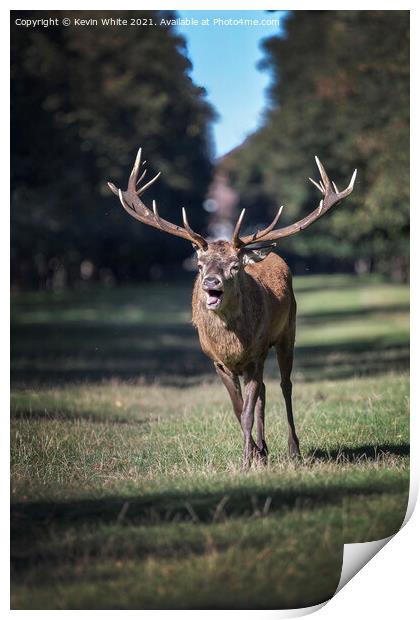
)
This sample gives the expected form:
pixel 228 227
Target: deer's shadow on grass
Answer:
pixel 239 501
pixel 355 454
pixel 87 416
pixel 205 507
pixel 38 520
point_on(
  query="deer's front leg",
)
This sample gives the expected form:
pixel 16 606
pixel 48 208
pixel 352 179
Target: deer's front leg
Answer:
pixel 262 453
pixel 253 382
pixel 233 386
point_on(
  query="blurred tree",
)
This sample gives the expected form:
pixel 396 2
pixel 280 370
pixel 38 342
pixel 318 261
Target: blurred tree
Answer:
pixel 340 90
pixel 83 100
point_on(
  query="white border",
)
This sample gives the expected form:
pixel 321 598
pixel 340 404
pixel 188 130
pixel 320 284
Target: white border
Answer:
pixel 387 585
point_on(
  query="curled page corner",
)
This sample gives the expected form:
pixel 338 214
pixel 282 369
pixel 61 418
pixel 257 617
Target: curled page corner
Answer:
pixel 300 611
pixel 412 499
pixel 356 555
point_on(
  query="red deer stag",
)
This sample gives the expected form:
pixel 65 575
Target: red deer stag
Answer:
pixel 242 304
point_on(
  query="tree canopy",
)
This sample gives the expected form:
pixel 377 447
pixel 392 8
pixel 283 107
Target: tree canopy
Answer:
pixel 340 90
pixel 83 101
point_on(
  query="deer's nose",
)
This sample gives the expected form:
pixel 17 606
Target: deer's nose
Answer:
pixel 212 283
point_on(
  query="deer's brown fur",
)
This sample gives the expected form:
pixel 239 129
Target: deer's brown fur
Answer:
pixel 243 303
pixel 261 308
pixel 257 311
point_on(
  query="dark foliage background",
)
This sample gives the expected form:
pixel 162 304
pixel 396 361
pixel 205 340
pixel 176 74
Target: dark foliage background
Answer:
pixel 84 99
pixel 340 90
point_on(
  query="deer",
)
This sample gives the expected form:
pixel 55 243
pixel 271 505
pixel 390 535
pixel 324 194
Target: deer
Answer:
pixel 243 303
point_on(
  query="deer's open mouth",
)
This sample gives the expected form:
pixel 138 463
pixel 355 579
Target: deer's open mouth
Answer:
pixel 214 298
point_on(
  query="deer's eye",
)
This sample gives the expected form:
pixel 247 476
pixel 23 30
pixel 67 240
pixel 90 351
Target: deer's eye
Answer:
pixel 234 268
pixel 200 266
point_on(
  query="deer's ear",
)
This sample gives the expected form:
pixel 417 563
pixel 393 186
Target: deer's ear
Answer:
pixel 255 255
pixel 197 248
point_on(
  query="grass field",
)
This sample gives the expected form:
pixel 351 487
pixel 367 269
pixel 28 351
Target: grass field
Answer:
pixel 127 490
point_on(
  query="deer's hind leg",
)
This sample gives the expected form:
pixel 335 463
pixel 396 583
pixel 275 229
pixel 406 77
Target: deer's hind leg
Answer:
pixel 285 350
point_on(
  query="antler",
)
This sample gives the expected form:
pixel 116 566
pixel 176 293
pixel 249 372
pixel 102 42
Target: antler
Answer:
pixel 130 200
pixel 331 196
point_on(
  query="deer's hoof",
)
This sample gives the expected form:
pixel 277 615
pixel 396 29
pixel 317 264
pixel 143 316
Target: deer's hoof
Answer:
pixel 261 455
pixel 247 459
pixel 246 464
pixel 294 451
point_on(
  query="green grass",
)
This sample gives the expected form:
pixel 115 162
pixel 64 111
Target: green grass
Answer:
pixel 127 490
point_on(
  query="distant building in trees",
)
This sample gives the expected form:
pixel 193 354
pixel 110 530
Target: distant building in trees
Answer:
pixel 221 202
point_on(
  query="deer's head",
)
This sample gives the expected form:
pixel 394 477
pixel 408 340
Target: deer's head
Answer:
pixel 221 263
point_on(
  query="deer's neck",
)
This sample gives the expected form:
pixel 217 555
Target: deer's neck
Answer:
pixel 227 335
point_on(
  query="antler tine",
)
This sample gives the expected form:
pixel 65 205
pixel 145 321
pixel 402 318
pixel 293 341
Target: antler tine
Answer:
pixel 324 175
pixel 142 176
pixel 141 190
pixel 134 180
pixel 130 200
pixel 122 201
pixel 236 241
pixel 155 212
pixel 317 185
pixel 135 172
pixel 186 223
pixel 194 236
pixel 352 181
pixel 323 185
pixel 130 210
pixel 259 235
pixel 112 187
pixel 330 197
pixel 348 189
pixel 272 225
pixel 163 224
pixel 159 221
